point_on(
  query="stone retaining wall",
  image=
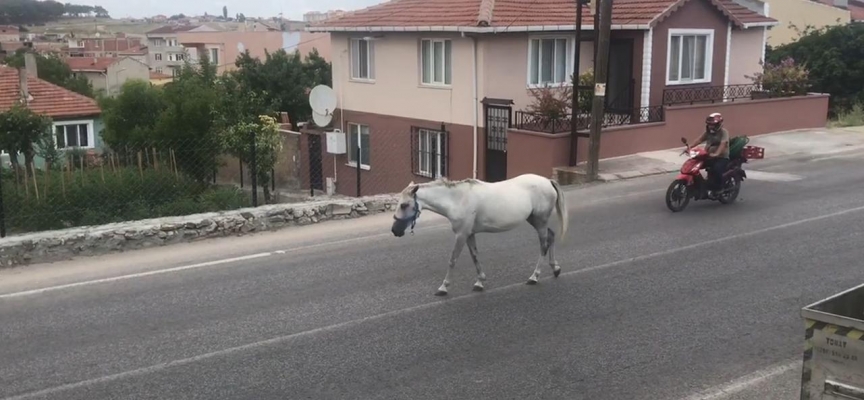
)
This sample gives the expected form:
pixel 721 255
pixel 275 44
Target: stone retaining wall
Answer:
pixel 94 240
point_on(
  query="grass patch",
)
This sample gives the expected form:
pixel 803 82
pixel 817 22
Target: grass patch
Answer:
pixel 850 118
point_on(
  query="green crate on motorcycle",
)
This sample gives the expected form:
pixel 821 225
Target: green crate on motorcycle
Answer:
pixel 736 145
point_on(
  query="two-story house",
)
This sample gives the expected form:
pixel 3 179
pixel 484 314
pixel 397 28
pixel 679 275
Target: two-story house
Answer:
pixel 108 74
pixel 404 69
pixel 165 52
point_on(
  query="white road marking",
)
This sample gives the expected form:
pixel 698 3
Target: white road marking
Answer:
pixel 745 382
pixel 260 255
pixel 772 176
pixel 434 303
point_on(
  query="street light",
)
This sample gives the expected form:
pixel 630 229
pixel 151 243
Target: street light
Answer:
pixel 574 107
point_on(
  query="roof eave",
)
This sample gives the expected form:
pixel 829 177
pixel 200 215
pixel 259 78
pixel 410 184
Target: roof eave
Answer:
pixel 761 24
pixel 470 29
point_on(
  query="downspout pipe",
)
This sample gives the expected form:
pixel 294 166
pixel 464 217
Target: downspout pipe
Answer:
pixel 475 99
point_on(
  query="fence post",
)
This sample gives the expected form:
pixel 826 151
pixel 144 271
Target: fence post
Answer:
pixel 2 208
pixel 253 168
pixel 359 163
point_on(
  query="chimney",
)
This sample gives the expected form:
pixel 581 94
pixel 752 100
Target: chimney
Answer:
pixel 22 83
pixel 30 64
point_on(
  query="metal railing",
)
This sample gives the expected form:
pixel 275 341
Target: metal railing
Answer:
pixel 708 94
pixel 536 122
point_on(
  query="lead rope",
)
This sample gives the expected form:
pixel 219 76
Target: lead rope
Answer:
pixel 416 214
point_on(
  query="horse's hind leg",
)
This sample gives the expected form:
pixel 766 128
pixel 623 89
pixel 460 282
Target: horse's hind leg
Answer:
pixel 542 233
pixel 556 268
pixel 472 248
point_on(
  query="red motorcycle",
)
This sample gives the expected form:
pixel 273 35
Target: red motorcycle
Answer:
pixel 690 184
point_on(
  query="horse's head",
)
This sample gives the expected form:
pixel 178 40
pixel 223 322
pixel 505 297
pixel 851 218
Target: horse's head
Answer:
pixel 407 210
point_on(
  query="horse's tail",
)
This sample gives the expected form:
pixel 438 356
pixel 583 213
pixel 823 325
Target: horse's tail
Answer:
pixel 561 208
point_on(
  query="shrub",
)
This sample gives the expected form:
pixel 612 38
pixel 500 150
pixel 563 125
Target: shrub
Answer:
pixel 852 117
pixel 99 196
pixel 783 79
pixel 551 102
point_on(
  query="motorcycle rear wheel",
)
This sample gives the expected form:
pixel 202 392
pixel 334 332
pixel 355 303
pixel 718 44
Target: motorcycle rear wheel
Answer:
pixel 677 196
pixel 731 187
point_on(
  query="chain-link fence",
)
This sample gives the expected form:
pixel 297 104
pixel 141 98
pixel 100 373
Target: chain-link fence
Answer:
pixel 98 185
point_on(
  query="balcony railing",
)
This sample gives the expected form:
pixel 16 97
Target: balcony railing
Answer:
pixel 540 123
pixel 708 94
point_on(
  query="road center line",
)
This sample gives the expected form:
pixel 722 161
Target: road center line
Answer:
pixel 434 303
pixel 259 255
pixel 745 382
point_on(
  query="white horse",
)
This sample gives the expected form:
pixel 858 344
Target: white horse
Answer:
pixel 474 206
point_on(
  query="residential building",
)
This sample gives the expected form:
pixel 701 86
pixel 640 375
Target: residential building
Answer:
pixel 108 74
pixel 116 46
pixel 795 16
pixel 9 33
pixel 855 7
pixel 314 17
pixel 165 53
pixel 437 88
pixel 223 48
pixel 77 119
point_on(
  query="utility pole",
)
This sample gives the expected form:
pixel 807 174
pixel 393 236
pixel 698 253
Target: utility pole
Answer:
pixel 574 119
pixel 601 72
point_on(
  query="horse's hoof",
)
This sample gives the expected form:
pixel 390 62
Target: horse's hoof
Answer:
pixel 557 272
pixel 531 282
pixel 478 288
pixel 440 293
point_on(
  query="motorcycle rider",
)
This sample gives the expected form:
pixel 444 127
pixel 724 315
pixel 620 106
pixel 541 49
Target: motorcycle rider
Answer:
pixel 716 139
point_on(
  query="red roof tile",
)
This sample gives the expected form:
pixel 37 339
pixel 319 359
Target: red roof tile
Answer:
pixel 90 63
pixel 518 13
pixel 48 99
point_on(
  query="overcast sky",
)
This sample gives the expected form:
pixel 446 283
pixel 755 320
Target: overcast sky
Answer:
pixel 292 9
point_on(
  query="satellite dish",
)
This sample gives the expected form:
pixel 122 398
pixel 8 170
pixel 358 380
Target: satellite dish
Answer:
pixel 321 120
pixel 323 101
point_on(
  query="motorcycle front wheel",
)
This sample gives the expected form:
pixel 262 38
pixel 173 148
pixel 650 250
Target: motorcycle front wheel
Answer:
pixel 677 197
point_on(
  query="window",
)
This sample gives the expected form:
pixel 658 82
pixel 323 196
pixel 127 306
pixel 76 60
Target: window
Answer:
pixel 549 61
pixel 358 135
pixel 71 135
pixel 429 156
pixel 436 62
pixel 158 70
pixel 157 56
pixel 690 56
pixel 362 56
pixel 175 57
pixel 214 56
pixel 171 42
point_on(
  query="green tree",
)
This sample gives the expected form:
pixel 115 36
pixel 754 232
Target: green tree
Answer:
pixel 225 12
pixel 53 69
pixel 285 78
pixel 187 123
pixel 23 132
pixel 130 118
pixel 237 140
pixel 834 57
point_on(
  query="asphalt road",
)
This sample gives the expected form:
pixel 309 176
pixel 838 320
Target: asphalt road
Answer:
pixel 650 304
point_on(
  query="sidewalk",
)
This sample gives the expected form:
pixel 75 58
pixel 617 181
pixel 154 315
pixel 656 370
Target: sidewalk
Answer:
pixel 807 142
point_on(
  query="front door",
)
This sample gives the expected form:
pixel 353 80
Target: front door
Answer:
pixel 619 88
pixel 497 125
pixel 316 167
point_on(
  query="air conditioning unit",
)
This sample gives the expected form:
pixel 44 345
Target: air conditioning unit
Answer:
pixel 336 142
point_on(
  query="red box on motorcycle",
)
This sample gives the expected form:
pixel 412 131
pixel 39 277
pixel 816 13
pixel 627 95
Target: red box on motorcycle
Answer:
pixel 753 152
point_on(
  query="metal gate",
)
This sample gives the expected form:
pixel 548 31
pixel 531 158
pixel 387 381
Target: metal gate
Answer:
pixel 316 167
pixel 498 119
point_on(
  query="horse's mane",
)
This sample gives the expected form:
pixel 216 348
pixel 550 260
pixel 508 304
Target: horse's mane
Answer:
pixel 447 183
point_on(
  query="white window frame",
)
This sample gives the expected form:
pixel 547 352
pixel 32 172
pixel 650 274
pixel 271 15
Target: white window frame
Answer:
pixel 709 55
pixel 427 60
pixel 424 170
pixel 370 60
pixel 91 136
pixel 210 52
pixel 171 42
pixel 359 127
pixel 568 69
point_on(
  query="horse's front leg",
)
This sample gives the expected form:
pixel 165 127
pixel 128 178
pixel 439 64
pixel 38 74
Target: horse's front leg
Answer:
pixel 472 247
pixel 457 250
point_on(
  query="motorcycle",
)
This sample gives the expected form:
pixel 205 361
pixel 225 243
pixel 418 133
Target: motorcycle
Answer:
pixel 690 184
